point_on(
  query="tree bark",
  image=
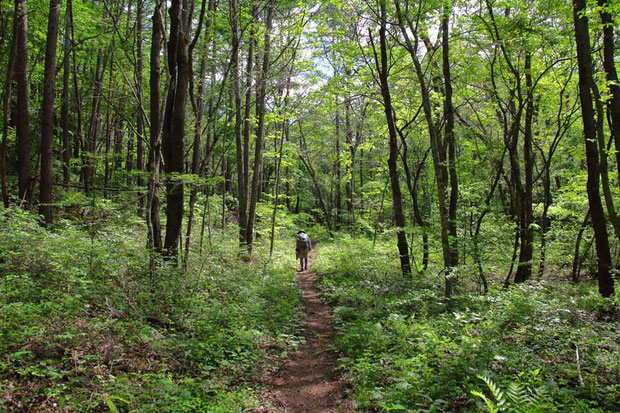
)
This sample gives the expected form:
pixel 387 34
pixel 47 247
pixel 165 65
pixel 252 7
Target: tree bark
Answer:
pixel 6 100
pixel 153 207
pixel 260 129
pixel 524 270
pixel 450 141
pixel 90 145
pixel 174 127
pixel 438 155
pixel 47 114
pixel 196 155
pixel 584 64
pixel 139 118
pixel 64 111
pixel 611 75
pixel 338 169
pixel 399 217
pixel 22 119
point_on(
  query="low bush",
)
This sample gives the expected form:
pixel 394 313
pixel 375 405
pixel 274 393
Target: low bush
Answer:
pixel 405 347
pixel 85 327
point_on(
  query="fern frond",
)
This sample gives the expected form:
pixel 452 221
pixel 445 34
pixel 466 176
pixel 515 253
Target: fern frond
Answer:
pixel 489 403
pixel 539 396
pixel 516 394
pixel 497 393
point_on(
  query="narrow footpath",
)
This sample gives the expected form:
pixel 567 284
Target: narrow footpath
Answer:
pixel 308 383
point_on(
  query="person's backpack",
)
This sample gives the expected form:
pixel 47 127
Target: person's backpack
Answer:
pixel 302 240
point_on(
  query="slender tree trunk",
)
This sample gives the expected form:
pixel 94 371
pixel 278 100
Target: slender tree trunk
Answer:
pixel 611 75
pixel 584 63
pixel 64 112
pixel 399 217
pixel 47 114
pixel 338 169
pixel 153 207
pixel 315 181
pixel 260 129
pixel 241 171
pixel 79 138
pixel 576 257
pixel 439 161
pixel 22 119
pixel 604 165
pixel 90 145
pixel 6 98
pixel 196 155
pixel 544 219
pixel 139 119
pixel 524 271
pixel 244 190
pixel 450 141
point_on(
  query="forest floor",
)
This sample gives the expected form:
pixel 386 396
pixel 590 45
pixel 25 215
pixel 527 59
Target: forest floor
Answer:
pixel 308 381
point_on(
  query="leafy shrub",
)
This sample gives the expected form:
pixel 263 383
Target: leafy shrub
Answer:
pixel 405 347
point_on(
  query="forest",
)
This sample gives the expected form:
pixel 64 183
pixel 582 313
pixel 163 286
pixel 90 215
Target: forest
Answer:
pixel 455 164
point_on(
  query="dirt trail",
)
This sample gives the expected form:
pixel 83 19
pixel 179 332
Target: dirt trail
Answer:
pixel 308 383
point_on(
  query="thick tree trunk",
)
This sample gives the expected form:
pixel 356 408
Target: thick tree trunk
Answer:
pixel 22 119
pixel 174 127
pixel 584 64
pixel 47 114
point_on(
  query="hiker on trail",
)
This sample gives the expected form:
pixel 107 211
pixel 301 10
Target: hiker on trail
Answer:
pixel 302 247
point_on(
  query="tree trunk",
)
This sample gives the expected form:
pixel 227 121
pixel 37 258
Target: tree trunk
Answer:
pixel 90 145
pixel 584 64
pixel 439 161
pixel 22 119
pixel 611 75
pixel 241 171
pixel 260 129
pixel 524 271
pixel 47 114
pixel 399 217
pixel 6 98
pixel 64 112
pixel 576 256
pixel 450 141
pixel 153 207
pixel 338 169
pixel 139 117
pixel 196 155
pixel 174 127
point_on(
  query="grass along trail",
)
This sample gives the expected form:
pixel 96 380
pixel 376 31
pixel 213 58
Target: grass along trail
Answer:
pixel 308 382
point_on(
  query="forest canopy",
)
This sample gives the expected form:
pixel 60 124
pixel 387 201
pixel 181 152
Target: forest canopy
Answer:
pixel 459 162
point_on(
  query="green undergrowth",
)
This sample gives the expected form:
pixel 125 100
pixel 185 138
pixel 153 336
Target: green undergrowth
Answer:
pixel 85 327
pixel 540 347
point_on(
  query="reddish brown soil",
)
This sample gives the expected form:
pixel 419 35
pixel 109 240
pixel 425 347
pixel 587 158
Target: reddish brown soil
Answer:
pixel 308 383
